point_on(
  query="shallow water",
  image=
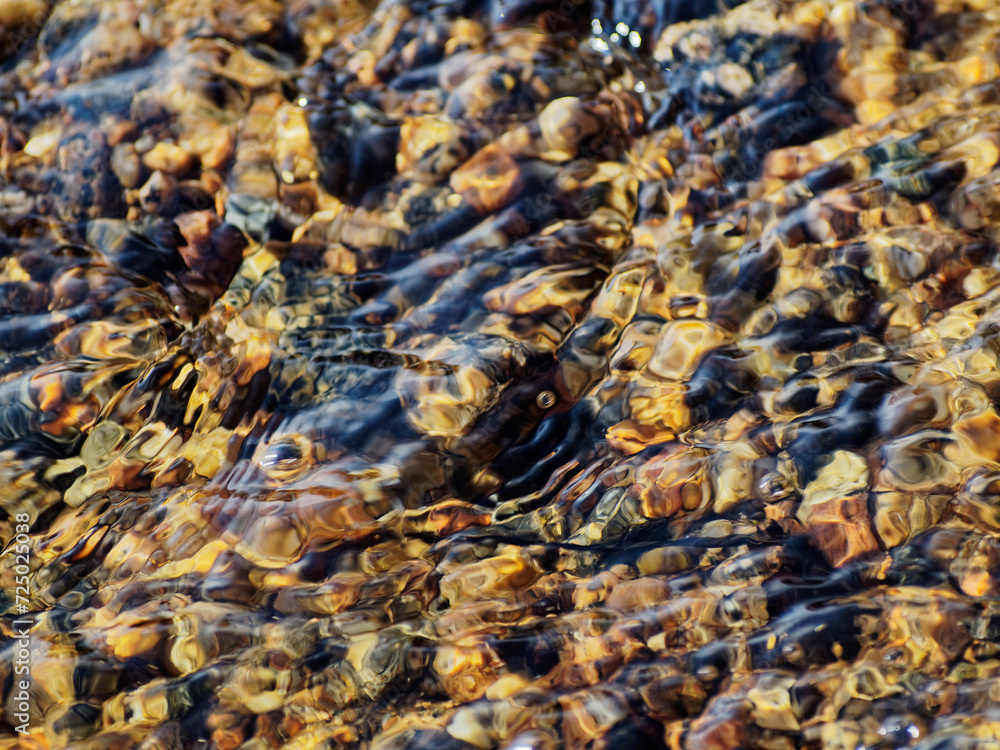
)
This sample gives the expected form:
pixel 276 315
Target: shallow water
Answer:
pixel 516 375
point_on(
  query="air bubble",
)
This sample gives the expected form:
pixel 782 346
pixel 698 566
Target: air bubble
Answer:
pixel 286 454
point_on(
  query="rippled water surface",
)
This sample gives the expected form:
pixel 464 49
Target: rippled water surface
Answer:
pixel 522 374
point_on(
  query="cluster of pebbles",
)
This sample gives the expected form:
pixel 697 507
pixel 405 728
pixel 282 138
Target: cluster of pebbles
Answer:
pixel 525 374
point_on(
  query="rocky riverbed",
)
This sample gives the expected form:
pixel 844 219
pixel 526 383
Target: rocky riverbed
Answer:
pixel 521 374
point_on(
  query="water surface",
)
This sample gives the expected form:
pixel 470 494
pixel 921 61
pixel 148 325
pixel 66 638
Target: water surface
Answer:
pixel 505 375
